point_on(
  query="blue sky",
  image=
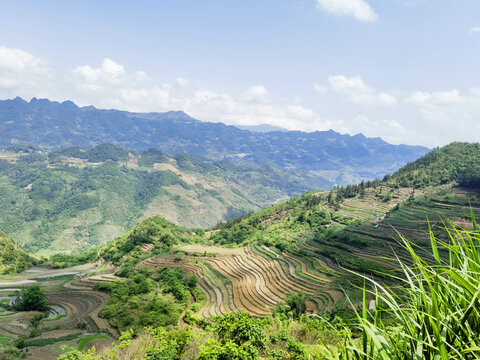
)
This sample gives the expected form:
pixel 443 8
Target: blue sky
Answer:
pixel 404 70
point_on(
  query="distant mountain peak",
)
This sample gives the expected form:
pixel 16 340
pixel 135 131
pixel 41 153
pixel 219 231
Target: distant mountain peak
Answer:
pixel 261 128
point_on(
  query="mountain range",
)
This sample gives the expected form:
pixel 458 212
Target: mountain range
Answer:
pixel 323 158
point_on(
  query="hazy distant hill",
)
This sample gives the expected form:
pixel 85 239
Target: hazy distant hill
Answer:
pixel 324 157
pixel 72 199
pixel 262 128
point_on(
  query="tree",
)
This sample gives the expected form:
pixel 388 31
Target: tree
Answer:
pixel 297 303
pixel 330 197
pixel 32 298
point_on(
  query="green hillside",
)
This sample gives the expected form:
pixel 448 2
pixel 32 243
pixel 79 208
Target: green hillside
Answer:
pixel 325 243
pixel 355 228
pixel 13 259
pixel 456 162
pixel 74 199
pixel 273 284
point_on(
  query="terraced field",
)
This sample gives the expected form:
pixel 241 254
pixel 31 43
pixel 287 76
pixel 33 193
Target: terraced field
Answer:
pixel 411 219
pixel 252 278
pixel 82 304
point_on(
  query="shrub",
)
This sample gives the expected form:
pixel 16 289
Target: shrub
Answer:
pixel 32 298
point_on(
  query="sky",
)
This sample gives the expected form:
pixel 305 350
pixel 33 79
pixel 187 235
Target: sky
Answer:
pixel 407 71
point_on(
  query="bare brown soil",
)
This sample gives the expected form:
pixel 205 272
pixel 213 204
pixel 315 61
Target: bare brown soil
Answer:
pixel 257 283
pixel 212 250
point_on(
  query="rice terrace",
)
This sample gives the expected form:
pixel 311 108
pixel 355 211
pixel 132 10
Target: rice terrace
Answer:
pixel 253 279
pixel 73 314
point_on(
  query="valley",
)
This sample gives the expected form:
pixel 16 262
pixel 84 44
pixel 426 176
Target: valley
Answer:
pixel 301 258
pixel 240 180
pixel 72 200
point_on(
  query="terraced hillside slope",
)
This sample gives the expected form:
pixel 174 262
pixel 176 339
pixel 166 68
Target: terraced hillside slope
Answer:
pixel 324 158
pixel 161 274
pixel 74 199
pixel 310 243
pixel 303 245
pixel 72 317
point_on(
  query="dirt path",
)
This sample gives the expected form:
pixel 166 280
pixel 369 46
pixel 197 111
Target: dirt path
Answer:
pixel 212 250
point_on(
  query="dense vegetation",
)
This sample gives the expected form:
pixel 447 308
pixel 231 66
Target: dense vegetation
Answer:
pixel 456 162
pixel 91 196
pixel 99 153
pixel 13 259
pixel 136 302
pixel 32 298
pixel 156 232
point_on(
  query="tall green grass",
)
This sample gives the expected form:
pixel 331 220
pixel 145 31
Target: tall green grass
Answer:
pixel 435 314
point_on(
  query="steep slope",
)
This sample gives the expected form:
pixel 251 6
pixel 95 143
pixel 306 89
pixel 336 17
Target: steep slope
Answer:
pixel 12 258
pixel 456 162
pixel 324 157
pixel 73 199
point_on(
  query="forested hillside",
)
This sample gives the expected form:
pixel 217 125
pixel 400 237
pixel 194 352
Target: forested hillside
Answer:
pixel 73 199
pixel 13 258
pixel 455 162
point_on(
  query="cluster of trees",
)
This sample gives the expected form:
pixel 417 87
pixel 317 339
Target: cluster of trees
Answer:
pixel 61 261
pixel 272 225
pixel 340 193
pixel 157 231
pixel 137 301
pixel 31 298
pixel 100 153
pixel 151 156
pixel 176 282
pixel 12 258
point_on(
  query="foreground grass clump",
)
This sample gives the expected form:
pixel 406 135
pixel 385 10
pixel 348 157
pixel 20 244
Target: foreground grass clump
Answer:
pixel 436 313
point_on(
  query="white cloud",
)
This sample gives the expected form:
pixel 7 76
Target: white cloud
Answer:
pixel 111 85
pixel 359 9
pixel 255 93
pixel 21 72
pixel 430 118
pixel 389 128
pixel 439 98
pixel 475 30
pixel 356 91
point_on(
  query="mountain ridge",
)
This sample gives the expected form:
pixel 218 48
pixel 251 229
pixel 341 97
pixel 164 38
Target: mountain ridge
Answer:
pixel 321 156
